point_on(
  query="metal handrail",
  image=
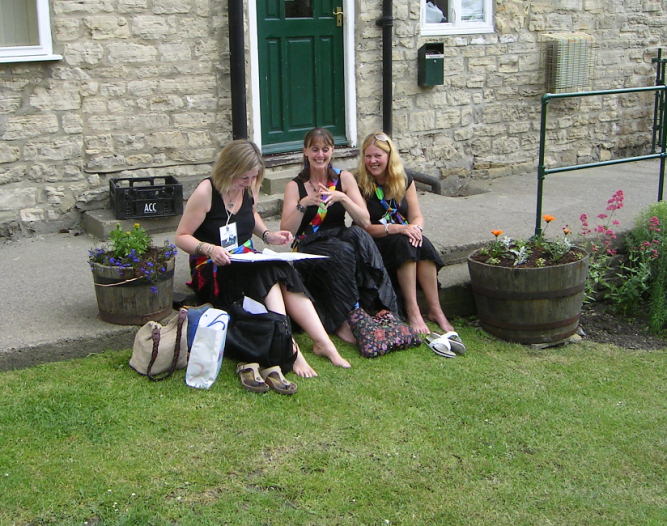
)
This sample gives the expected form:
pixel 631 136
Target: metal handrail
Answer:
pixel 542 171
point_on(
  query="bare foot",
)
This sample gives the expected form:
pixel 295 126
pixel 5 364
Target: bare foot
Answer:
pixel 328 350
pixel 441 320
pixel 418 324
pixel 345 333
pixel 301 366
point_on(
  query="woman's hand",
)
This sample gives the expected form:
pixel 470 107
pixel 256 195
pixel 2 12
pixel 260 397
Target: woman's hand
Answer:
pixel 329 197
pixel 280 237
pixel 414 234
pixel 219 255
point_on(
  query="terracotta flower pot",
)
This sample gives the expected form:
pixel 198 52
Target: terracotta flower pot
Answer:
pixel 529 305
pixel 127 300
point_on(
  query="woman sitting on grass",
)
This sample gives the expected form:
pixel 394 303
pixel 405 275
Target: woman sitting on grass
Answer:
pixel 397 225
pixel 315 206
pixel 219 219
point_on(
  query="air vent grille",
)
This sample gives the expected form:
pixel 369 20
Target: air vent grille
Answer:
pixel 569 61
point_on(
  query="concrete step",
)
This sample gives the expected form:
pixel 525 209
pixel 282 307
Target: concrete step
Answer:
pixel 98 223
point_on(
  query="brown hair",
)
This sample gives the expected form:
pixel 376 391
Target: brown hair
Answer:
pixel 395 181
pixel 321 134
pixel 235 159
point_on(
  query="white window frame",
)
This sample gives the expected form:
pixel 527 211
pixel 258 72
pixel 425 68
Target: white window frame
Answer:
pixel 42 51
pixel 454 25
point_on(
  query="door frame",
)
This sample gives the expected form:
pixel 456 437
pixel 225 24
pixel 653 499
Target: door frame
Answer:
pixel 348 66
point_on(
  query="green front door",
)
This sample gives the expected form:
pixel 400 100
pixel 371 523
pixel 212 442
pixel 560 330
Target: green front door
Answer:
pixel 300 70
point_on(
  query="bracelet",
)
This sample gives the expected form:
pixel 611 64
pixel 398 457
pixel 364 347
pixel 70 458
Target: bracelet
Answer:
pixel 198 248
pixel 301 208
pixel 386 229
pixel 264 234
pixel 209 249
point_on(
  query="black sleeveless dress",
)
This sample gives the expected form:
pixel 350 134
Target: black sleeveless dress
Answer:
pixel 353 272
pixel 222 285
pixel 396 249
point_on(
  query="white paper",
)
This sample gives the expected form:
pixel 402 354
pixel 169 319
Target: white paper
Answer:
pixel 270 255
pixel 252 306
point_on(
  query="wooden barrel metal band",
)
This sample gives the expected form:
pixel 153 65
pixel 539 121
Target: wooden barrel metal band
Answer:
pixel 535 326
pixel 539 295
pixel 137 281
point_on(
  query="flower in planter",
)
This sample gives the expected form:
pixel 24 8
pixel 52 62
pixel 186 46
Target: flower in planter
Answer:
pixel 537 251
pixel 133 250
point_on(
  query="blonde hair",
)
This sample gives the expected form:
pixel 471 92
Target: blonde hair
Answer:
pixel 394 185
pixel 235 159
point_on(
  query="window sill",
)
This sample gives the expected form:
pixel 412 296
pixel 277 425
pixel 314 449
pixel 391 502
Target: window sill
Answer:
pixel 30 58
pixel 456 31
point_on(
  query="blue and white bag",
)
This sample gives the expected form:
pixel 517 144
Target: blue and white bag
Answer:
pixel 207 349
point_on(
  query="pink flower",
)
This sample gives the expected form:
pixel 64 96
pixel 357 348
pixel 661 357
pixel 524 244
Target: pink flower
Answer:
pixel 616 201
pixel 615 222
pixel 611 251
pixel 602 216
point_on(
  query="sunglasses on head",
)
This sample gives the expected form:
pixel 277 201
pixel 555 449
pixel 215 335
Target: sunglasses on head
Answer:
pixel 381 137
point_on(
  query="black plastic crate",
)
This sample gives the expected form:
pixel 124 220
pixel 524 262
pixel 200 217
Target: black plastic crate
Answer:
pixel 139 197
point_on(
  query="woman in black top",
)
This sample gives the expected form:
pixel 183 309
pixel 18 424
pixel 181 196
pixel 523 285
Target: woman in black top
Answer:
pixel 220 218
pixel 397 226
pixel 314 210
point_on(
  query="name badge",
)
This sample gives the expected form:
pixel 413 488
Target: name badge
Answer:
pixel 228 236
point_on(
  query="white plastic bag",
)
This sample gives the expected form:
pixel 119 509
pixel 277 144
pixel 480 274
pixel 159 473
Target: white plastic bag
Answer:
pixel 207 349
pixel 434 14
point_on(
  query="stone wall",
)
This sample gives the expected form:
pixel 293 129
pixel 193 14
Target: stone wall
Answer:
pixel 143 90
pixel 485 120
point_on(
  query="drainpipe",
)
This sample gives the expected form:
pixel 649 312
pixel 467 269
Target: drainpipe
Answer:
pixel 237 69
pixel 386 22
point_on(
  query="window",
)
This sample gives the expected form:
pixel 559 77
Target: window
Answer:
pixel 25 31
pixel 456 17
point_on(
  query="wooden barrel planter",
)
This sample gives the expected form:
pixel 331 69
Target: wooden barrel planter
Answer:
pixel 529 305
pixel 125 300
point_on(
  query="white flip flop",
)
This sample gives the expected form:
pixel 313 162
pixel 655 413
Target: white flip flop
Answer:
pixel 455 342
pixel 440 345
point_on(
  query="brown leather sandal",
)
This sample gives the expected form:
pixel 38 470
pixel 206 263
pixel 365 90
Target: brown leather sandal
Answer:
pixel 274 378
pixel 250 377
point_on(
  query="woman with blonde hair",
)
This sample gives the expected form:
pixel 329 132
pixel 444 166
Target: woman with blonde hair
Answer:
pixel 315 207
pixel 397 225
pixel 219 219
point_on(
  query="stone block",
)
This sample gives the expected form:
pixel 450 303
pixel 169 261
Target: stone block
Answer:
pixel 152 27
pixel 107 27
pixel 83 53
pixel 170 7
pixel 9 154
pixel 15 198
pixel 129 53
pixel 29 126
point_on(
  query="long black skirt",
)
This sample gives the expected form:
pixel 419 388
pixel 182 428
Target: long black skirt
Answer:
pixel 222 285
pixel 352 274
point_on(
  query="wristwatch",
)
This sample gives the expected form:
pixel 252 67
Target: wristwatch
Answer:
pixel 301 208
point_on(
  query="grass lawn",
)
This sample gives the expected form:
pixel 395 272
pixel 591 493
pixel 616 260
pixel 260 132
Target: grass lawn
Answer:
pixel 505 435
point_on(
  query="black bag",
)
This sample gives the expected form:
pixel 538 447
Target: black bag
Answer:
pixel 263 338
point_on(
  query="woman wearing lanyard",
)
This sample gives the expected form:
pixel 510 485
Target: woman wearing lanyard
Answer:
pixel 397 226
pixel 315 206
pixel 219 219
